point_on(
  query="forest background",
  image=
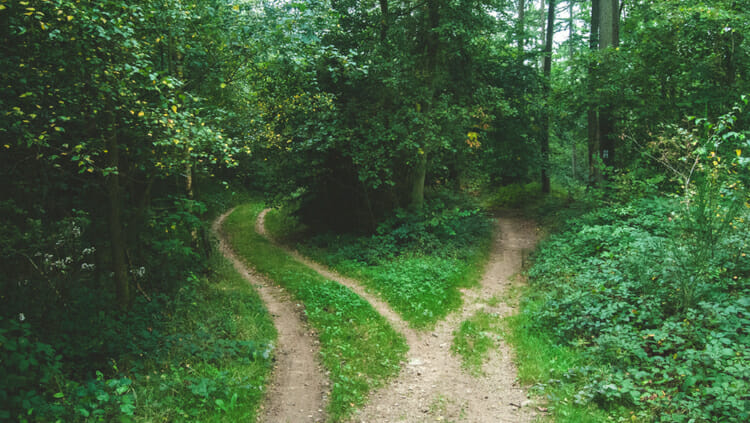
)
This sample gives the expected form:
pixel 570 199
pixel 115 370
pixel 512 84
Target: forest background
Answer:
pixel 127 125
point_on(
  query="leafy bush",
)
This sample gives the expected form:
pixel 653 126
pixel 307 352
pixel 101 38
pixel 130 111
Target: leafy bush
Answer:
pixel 614 284
pixel 203 353
pixel 25 366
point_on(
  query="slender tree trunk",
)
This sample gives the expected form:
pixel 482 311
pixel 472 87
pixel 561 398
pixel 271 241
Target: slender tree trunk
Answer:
pixel 116 238
pixel 609 13
pixel 547 72
pixel 542 28
pixel 571 32
pixel 593 117
pixel 420 172
pixel 431 64
pixel 521 29
pixel 571 53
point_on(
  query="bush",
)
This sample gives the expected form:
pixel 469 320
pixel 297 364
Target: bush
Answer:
pixel 614 284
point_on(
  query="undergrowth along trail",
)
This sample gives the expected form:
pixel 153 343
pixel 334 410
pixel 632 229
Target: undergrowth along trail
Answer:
pixel 297 391
pixel 358 348
pixel 433 383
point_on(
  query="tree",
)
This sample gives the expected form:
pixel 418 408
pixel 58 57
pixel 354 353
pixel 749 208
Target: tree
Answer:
pixel 102 107
pixel 609 21
pixel 547 74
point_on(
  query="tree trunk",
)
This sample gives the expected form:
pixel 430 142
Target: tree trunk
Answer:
pixel 116 239
pixel 521 29
pixel 542 28
pixel 417 192
pixel 430 69
pixel 547 71
pixel 609 13
pixel 593 117
pixel 571 32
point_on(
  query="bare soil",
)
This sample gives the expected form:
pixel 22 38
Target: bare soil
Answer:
pixel 298 389
pixel 432 386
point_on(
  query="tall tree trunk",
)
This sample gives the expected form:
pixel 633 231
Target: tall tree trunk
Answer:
pixel 431 64
pixel 571 53
pixel 571 33
pixel 609 14
pixel 547 71
pixel 593 117
pixel 521 29
pixel 114 217
pixel 542 28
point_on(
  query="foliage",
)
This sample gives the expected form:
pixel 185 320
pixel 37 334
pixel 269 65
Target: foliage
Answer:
pixel 205 355
pixel 376 101
pixel 634 296
pixel 475 338
pixel 358 347
pixel 416 260
pixel 549 367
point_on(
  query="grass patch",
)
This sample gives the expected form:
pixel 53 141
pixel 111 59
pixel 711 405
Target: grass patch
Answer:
pixel 475 338
pixel 220 340
pixel 416 261
pixel 551 371
pixel 202 353
pixel 359 348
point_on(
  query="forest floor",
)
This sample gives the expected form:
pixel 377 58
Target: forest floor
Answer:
pixel 432 385
pixel 298 389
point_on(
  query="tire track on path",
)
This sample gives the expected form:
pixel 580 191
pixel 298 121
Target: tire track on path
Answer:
pixel 432 386
pixel 298 388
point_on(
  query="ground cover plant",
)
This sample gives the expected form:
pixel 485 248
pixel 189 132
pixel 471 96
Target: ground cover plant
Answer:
pixel 476 337
pixel 358 347
pixel 666 340
pixel 417 261
pixel 648 293
pixel 203 354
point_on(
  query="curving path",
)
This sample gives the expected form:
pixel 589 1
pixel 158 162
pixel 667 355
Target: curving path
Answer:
pixel 297 391
pixel 432 385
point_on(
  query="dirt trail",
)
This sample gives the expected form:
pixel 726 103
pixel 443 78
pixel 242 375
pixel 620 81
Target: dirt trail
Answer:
pixel 432 386
pixel 298 389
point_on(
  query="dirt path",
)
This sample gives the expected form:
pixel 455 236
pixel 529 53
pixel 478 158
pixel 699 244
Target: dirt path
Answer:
pixel 297 391
pixel 432 385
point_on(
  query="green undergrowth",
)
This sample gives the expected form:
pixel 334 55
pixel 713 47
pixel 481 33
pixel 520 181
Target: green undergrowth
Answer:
pixel 548 210
pixel 416 261
pixel 641 307
pixel 550 369
pixel 358 347
pixel 220 348
pixel 202 353
pixel 474 340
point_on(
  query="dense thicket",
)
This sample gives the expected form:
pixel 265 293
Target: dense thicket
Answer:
pixel 110 111
pixel 401 96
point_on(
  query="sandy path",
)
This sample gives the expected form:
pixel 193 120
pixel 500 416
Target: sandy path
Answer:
pixel 432 386
pixel 297 391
